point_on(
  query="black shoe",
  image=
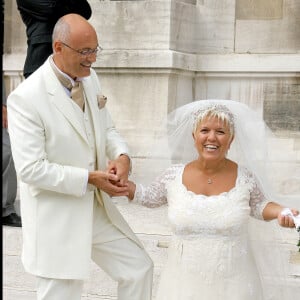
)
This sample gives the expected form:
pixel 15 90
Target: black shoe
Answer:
pixel 12 220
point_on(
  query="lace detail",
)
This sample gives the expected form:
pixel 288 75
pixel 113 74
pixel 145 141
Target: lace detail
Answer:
pixel 215 252
pixel 257 199
pixel 156 194
pixel 209 254
pixel 218 215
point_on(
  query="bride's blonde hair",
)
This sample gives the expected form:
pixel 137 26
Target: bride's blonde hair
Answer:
pixel 219 111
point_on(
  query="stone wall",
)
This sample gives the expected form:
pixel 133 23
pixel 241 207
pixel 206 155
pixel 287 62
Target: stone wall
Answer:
pixel 161 54
pixel 176 51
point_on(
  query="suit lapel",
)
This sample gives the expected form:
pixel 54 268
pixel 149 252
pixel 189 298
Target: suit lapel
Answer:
pixel 60 99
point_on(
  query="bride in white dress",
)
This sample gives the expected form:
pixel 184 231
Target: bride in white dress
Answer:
pixel 210 198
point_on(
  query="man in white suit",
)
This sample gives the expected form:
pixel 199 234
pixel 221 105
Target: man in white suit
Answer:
pixel 60 151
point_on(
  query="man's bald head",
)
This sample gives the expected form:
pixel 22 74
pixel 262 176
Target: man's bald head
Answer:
pixel 70 26
pixel 75 45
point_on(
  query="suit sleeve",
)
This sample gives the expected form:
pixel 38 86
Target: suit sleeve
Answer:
pixel 28 142
pixel 52 10
pixel 115 144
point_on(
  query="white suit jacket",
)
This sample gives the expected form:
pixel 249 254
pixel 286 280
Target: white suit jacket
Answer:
pixel 51 155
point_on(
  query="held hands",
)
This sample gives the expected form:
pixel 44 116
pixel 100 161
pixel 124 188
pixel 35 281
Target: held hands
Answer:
pixel 108 182
pixel 113 181
pixel 121 168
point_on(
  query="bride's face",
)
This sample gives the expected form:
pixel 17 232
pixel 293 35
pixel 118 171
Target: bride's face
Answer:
pixel 212 138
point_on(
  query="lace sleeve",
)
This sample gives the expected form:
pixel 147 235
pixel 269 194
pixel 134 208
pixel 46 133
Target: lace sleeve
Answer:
pixel 258 201
pixel 155 194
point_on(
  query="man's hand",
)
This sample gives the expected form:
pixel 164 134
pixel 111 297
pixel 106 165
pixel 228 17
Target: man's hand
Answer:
pixel 109 183
pixel 121 168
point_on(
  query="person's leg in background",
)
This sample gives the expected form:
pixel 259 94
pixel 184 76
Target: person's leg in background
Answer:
pixel 9 184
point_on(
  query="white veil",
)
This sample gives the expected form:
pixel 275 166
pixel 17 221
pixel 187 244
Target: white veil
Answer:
pixel 258 149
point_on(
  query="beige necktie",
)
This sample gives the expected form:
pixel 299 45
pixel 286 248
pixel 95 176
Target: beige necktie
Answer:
pixel 76 90
pixel 77 94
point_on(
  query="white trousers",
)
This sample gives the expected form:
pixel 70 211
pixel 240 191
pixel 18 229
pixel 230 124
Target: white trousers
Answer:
pixel 117 255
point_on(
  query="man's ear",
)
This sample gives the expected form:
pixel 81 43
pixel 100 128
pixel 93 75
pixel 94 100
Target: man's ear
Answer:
pixel 57 47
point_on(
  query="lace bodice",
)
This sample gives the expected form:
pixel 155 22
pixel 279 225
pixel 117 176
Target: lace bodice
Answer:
pixel 246 187
pixel 209 255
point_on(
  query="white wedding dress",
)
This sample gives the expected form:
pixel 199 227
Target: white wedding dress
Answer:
pixel 209 257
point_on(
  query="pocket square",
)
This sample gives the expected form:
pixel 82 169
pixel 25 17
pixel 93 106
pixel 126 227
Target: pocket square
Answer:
pixel 101 101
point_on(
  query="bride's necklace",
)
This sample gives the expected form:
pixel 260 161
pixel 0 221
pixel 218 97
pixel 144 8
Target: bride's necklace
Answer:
pixel 210 179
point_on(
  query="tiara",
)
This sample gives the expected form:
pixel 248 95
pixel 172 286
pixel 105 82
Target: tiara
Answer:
pixel 217 109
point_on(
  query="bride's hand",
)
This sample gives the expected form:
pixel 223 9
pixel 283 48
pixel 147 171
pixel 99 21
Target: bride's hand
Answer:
pixel 288 219
pixel 131 188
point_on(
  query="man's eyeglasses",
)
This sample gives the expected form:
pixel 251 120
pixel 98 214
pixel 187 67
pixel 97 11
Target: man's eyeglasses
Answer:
pixel 85 52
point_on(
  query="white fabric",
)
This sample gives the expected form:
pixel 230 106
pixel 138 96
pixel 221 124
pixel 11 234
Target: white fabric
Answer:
pixel 156 194
pixel 209 256
pixel 52 155
pixel 58 289
pixel 188 213
pixel 121 258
